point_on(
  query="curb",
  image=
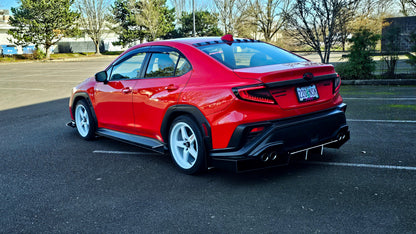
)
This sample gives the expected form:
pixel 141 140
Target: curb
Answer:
pixel 380 82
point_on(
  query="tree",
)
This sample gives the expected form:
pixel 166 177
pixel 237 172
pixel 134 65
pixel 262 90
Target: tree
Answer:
pixel 245 22
pixel 269 16
pixel 360 63
pixel 127 28
pixel 408 7
pixel 228 12
pixel 390 48
pixel 180 8
pixel 315 23
pixel 42 22
pixel 370 14
pixel 345 28
pixel 92 20
pixel 412 57
pixel 155 17
pixel 206 24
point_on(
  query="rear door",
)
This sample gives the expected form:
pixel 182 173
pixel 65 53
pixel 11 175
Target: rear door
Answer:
pixel 165 76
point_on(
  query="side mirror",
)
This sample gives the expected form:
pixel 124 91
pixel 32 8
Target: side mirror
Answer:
pixel 101 76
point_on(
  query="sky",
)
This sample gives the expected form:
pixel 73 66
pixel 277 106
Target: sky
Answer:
pixel 8 4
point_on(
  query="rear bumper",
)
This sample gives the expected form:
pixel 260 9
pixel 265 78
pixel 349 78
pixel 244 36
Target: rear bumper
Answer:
pixel 281 138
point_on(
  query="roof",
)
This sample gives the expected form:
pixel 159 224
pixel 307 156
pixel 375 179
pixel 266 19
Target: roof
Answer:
pixel 199 41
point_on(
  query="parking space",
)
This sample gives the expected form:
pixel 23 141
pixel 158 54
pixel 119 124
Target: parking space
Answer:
pixel 31 83
pixel 52 181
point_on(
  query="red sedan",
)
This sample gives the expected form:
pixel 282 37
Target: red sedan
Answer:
pixel 221 102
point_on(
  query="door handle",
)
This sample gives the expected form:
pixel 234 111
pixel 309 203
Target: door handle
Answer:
pixel 171 87
pixel 127 90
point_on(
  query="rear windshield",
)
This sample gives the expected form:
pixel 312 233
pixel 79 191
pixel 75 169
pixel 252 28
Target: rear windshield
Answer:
pixel 249 54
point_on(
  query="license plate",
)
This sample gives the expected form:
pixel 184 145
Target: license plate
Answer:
pixel 308 93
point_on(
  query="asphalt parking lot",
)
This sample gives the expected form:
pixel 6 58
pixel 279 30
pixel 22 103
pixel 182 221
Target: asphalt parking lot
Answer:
pixel 52 181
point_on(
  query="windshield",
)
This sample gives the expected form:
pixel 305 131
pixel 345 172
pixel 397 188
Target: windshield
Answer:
pixel 249 54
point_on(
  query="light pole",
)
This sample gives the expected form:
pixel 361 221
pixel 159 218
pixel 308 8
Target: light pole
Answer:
pixel 193 15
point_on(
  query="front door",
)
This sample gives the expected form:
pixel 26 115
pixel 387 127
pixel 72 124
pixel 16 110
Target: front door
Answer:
pixel 114 107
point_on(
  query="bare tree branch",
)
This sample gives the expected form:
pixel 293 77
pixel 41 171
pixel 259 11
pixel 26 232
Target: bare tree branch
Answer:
pixel 316 23
pixel 92 20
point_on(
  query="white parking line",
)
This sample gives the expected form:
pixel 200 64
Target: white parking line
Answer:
pixel 122 152
pixel 361 165
pixel 381 121
pixel 391 167
pixel 25 89
pixel 383 99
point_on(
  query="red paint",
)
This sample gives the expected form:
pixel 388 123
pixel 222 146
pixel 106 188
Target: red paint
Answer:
pixel 138 106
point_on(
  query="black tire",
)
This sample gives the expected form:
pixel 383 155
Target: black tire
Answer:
pixel 186 145
pixel 84 121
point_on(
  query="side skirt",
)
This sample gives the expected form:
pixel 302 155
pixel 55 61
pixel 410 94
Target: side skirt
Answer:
pixel 144 142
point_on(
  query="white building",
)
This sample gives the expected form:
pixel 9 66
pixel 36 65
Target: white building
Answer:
pixel 4 27
pixel 83 44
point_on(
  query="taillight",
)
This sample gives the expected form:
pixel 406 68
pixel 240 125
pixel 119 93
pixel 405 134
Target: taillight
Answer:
pixel 254 94
pixel 337 84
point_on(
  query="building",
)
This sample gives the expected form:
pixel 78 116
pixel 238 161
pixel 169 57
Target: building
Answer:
pixel 403 26
pixel 65 45
pixel 4 27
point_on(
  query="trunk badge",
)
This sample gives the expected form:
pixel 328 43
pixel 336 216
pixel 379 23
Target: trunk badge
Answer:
pixel 308 76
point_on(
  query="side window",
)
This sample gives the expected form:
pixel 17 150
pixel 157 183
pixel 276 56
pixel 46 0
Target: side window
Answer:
pixel 162 64
pixel 129 68
pixel 183 67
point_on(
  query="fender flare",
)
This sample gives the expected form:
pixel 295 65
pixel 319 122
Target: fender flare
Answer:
pixel 86 97
pixel 192 111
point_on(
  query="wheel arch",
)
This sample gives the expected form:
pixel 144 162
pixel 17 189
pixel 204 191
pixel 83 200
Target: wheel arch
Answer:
pixel 83 96
pixel 175 111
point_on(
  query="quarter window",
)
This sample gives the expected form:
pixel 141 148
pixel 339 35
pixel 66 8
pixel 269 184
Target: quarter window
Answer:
pixel 167 65
pixel 183 67
pixel 161 65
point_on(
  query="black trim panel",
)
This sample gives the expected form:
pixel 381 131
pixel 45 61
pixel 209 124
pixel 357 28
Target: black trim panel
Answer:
pixel 145 142
pixel 300 82
pixel 286 135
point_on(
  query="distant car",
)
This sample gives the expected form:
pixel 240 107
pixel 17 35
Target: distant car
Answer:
pixel 213 102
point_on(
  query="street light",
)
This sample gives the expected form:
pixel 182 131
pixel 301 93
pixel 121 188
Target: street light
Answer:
pixel 193 15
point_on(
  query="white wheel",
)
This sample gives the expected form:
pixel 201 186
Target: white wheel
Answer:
pixel 83 120
pixel 186 146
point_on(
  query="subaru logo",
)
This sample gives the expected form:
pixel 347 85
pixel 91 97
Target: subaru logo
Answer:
pixel 308 76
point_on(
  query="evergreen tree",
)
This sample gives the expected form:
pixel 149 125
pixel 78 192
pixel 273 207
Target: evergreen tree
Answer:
pixel 156 18
pixel 42 22
pixel 206 24
pixel 124 16
pixel 360 62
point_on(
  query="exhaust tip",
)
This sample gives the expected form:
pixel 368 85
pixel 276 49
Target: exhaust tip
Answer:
pixel 273 156
pixel 265 157
pixel 341 136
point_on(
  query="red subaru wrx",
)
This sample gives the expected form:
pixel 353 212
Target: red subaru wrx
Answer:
pixel 214 102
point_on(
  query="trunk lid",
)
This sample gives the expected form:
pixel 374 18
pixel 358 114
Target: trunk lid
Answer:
pixel 295 85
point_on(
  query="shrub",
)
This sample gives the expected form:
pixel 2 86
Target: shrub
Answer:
pixel 360 64
pixel 38 54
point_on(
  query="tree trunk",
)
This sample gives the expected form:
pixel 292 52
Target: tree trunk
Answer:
pixel 97 47
pixel 48 52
